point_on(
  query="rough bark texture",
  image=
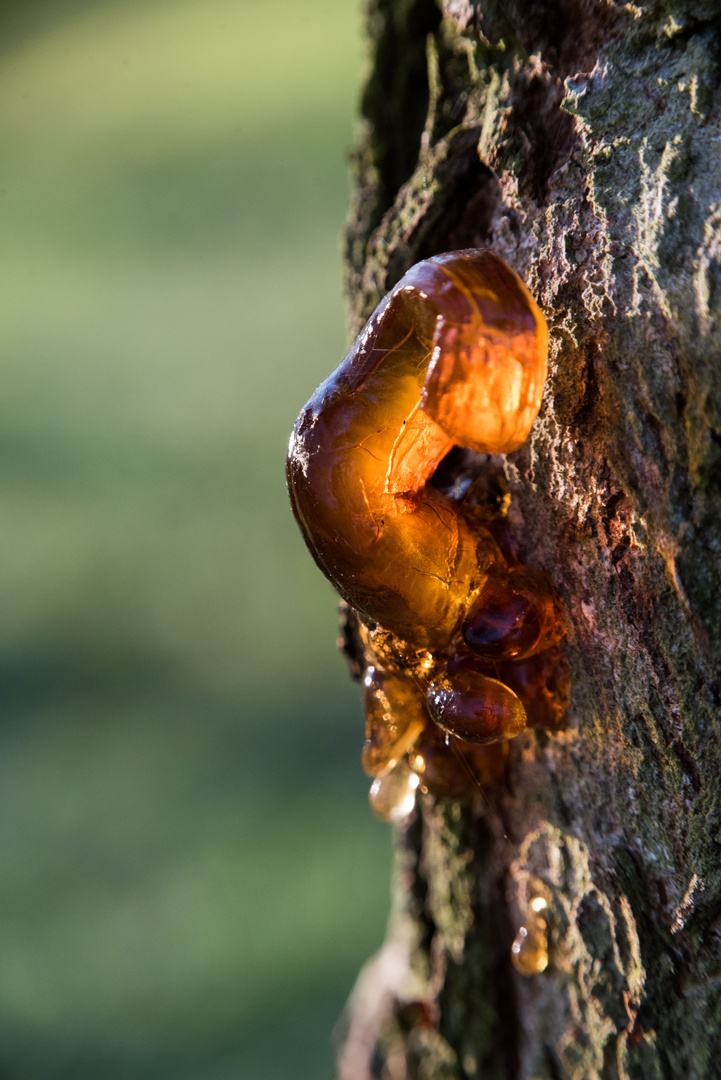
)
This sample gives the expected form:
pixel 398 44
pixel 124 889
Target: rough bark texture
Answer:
pixel 581 140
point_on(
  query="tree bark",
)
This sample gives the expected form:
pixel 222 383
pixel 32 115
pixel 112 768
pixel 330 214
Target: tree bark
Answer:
pixel 581 140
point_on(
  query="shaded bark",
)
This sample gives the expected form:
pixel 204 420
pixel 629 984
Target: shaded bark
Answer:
pixel 581 140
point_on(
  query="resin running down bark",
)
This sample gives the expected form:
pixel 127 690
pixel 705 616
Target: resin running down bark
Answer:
pixel 454 633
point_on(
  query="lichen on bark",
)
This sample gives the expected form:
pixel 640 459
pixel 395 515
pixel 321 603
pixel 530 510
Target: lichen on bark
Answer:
pixel 581 140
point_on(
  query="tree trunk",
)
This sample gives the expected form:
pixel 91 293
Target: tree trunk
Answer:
pixel 581 140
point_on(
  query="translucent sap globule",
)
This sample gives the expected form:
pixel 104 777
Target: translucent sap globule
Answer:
pixel 395 717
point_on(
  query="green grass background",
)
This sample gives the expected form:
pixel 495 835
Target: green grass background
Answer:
pixel 189 873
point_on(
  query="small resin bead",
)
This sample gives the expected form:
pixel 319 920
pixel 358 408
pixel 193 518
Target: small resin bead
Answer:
pixel 395 717
pixel 393 796
pixel 515 616
pixel 475 707
pixel 529 951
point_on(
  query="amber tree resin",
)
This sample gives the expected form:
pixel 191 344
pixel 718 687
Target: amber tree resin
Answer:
pixel 459 641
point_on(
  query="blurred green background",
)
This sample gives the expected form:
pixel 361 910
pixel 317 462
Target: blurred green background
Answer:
pixel 190 876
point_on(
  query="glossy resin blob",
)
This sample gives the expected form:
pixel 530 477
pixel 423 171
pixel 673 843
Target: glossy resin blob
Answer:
pixel 458 641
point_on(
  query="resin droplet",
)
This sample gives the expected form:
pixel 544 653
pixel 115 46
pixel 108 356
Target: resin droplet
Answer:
pixel 475 707
pixel 395 717
pixel 529 951
pixel 516 615
pixel 393 796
